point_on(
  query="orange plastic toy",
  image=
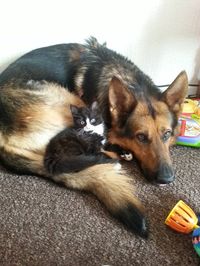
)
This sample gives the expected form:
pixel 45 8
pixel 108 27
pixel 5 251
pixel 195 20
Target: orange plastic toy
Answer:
pixel 182 218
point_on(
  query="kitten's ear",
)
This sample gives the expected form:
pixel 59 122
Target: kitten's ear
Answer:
pixel 94 106
pixel 174 96
pixel 74 109
pixel 121 101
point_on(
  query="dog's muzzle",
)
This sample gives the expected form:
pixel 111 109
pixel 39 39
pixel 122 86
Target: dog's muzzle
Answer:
pixel 164 174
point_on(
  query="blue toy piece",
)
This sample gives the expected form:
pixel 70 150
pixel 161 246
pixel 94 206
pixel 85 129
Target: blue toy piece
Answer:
pixel 196 240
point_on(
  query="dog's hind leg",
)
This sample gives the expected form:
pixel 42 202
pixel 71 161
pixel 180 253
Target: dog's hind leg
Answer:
pixel 22 161
pixel 113 188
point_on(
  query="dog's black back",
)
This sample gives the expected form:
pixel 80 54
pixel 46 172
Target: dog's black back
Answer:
pixel 48 63
pixel 104 62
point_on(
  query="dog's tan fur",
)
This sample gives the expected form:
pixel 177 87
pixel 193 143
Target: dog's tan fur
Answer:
pixel 110 186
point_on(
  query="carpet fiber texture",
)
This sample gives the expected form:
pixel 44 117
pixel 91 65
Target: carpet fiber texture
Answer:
pixel 42 223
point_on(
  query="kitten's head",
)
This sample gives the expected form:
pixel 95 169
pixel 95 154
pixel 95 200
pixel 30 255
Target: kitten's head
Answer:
pixel 88 119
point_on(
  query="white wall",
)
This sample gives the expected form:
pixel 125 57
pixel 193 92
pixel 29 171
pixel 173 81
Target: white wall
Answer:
pixel 161 36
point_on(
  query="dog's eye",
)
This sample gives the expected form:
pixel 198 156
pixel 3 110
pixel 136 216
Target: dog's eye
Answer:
pixel 166 135
pixel 142 138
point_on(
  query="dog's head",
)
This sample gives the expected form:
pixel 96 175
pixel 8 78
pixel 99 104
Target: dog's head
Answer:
pixel 147 125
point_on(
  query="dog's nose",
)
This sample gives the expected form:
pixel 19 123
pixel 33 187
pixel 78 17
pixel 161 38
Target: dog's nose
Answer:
pixel 165 174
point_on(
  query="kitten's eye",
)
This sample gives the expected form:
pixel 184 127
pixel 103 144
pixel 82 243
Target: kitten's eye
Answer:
pixel 93 121
pixel 166 135
pixel 142 138
pixel 82 123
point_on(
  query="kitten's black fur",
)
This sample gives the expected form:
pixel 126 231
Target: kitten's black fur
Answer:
pixel 74 149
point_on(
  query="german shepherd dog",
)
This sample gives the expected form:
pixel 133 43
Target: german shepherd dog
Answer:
pixel 36 92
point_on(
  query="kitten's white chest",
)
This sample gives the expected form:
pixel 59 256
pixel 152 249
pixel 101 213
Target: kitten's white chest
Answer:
pixel 99 129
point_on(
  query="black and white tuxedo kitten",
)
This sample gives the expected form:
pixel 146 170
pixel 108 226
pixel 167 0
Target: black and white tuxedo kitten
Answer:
pixel 90 120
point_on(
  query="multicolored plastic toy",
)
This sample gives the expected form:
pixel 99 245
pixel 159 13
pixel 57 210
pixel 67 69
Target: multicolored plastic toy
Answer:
pixel 182 219
pixel 196 240
pixel 190 124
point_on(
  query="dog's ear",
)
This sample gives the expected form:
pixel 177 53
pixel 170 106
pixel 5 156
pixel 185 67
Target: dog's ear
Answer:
pixel 121 101
pixel 175 94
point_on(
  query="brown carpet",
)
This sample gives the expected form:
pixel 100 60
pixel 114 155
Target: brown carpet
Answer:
pixel 42 223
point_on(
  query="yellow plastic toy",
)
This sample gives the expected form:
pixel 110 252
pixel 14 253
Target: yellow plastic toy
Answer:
pixel 191 107
pixel 182 218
